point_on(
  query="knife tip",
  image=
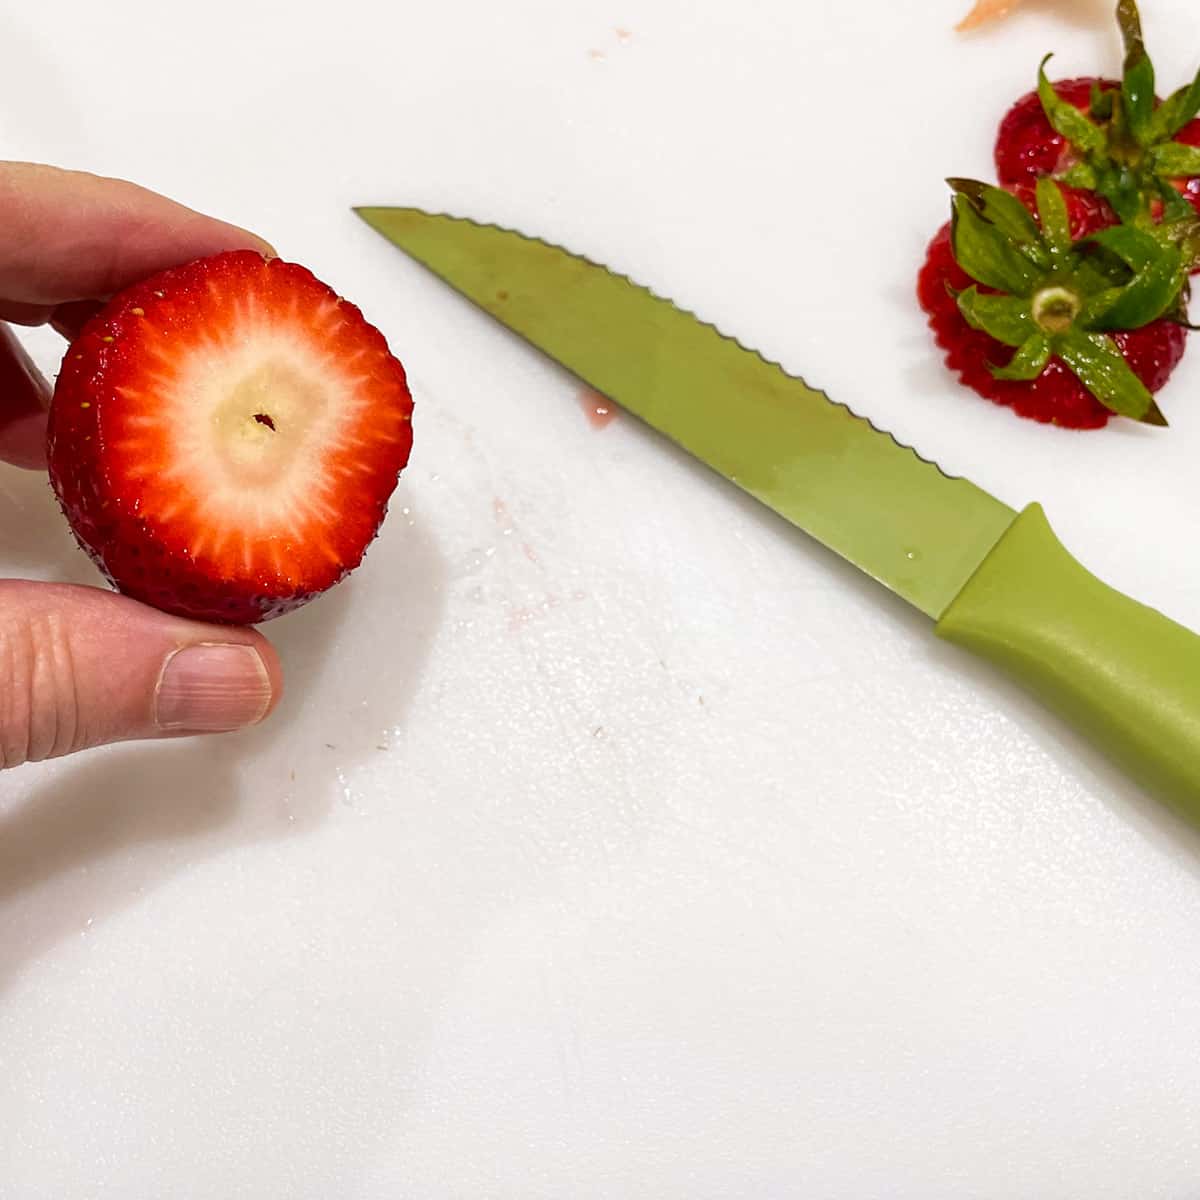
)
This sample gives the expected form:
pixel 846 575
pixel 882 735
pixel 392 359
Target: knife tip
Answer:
pixel 1154 416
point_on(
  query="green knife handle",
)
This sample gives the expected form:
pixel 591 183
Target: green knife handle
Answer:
pixel 1121 673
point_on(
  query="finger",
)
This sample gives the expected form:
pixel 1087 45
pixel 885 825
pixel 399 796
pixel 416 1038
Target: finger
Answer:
pixel 24 391
pixel 24 398
pixel 69 319
pixel 68 235
pixel 80 667
pixel 25 314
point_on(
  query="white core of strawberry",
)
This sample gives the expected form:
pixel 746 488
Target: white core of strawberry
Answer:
pixel 250 427
pixel 259 427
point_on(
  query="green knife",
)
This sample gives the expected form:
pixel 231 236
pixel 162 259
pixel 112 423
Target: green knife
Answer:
pixel 992 580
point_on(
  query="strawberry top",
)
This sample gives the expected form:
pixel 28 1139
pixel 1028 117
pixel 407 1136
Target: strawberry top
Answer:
pixel 1051 296
pixel 1122 143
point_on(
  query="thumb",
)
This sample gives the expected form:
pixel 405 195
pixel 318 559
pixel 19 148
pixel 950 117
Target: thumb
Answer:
pixel 80 667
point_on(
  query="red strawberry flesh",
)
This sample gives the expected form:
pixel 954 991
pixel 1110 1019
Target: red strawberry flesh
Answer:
pixel 225 437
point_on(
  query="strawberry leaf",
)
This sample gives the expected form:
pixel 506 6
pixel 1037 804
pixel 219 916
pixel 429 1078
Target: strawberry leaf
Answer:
pixel 1097 307
pixel 1185 234
pixel 1158 275
pixel 1006 318
pixel 1100 105
pixel 1098 363
pixel 1066 118
pixel 1052 212
pixel 983 251
pixel 1175 208
pixel 1028 362
pixel 1008 215
pixel 1175 160
pixel 1177 110
pixel 1132 246
pixel 1100 271
pixel 1081 175
pixel 1122 188
pixel 1137 84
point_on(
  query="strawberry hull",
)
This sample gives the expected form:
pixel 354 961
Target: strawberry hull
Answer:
pixel 1028 147
pixel 1056 396
pixel 225 437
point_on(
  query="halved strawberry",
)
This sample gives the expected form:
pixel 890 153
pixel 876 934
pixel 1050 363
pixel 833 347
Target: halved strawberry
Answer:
pixel 225 436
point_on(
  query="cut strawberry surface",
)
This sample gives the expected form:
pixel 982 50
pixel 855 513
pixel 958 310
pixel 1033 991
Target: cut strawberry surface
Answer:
pixel 225 437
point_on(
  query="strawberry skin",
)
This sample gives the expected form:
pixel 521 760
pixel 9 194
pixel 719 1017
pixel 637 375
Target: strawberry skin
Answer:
pixel 1056 396
pixel 225 436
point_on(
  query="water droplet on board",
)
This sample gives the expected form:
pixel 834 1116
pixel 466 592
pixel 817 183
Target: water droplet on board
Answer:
pixel 347 791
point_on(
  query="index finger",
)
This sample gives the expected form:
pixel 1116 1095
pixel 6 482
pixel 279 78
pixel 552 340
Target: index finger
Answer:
pixel 68 238
pixel 69 235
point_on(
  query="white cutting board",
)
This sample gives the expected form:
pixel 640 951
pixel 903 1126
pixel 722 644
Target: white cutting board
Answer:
pixel 613 840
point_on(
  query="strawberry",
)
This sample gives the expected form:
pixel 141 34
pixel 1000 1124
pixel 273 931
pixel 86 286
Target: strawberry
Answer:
pixel 225 436
pixel 1062 329
pixel 1140 154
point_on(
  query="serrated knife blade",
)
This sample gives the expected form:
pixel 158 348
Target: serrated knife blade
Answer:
pixel 994 581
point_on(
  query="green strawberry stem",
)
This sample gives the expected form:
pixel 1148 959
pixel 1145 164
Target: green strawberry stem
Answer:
pixel 1050 296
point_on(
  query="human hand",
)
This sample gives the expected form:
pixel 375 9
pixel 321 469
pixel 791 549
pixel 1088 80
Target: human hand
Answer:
pixel 80 666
